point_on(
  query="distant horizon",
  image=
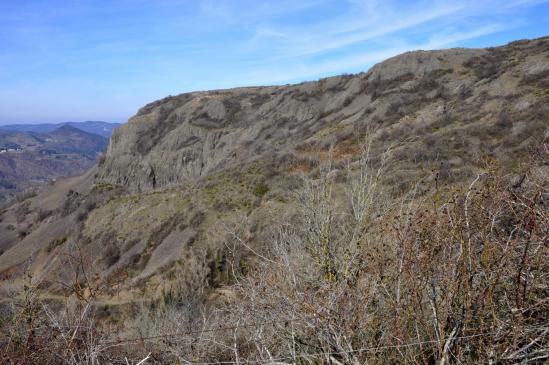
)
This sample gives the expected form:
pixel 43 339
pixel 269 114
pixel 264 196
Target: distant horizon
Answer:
pixel 54 123
pixel 91 60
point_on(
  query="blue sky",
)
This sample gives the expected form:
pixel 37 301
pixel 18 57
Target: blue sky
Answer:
pixel 101 60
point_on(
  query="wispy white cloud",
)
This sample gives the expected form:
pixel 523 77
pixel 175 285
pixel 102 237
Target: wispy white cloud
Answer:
pixel 368 20
pixel 309 43
pixel 516 3
pixel 126 50
pixel 341 44
pixel 362 61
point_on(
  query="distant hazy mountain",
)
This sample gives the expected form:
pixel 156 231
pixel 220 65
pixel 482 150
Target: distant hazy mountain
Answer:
pixel 30 158
pixel 101 128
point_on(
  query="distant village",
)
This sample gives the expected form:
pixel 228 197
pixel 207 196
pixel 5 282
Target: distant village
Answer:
pixel 10 149
pixel 20 149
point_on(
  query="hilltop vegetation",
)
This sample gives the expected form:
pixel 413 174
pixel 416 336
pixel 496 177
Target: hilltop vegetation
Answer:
pixel 394 216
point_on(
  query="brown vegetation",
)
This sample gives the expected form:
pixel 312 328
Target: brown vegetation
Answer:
pixel 458 275
pixel 252 226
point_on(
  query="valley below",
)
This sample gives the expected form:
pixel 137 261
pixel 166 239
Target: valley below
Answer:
pixel 34 155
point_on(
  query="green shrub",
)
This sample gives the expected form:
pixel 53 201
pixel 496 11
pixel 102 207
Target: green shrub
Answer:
pixel 56 243
pixel 260 190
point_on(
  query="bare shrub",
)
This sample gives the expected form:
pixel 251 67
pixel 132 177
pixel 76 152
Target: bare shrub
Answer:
pixel 458 276
pixel 21 197
pixel 22 211
pixel 443 275
pixel 43 214
pixel 37 330
pixel 180 325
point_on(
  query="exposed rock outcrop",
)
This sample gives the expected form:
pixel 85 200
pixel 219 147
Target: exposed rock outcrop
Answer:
pixel 233 153
pixel 195 133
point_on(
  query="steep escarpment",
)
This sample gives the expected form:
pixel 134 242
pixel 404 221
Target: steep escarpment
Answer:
pixel 417 93
pixel 197 133
pixel 187 167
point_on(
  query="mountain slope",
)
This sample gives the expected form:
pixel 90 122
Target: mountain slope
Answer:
pixel 456 104
pixel 399 207
pixel 187 168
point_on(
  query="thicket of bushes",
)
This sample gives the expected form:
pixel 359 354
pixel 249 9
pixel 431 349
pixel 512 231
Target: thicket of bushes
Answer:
pixel 455 275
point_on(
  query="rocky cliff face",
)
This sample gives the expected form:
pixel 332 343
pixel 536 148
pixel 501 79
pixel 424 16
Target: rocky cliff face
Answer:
pixel 197 133
pixel 194 134
pixel 187 165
